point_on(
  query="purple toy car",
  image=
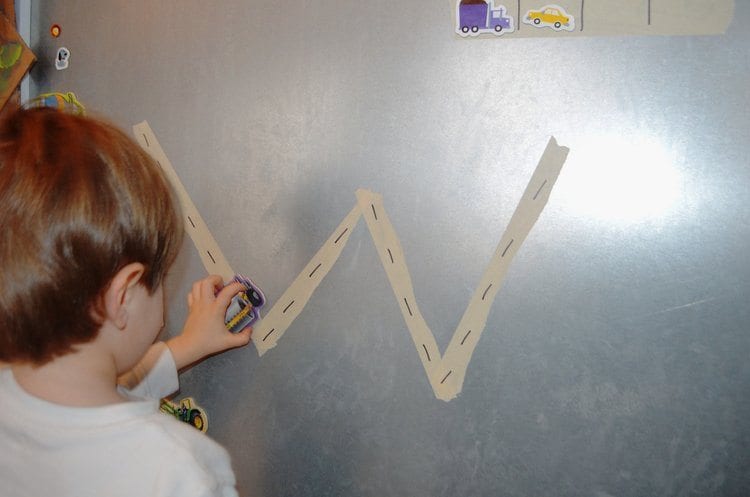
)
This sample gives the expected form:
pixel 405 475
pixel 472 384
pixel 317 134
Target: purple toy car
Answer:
pixel 244 309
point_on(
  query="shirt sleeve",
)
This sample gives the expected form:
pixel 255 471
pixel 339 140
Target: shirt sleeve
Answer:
pixel 154 377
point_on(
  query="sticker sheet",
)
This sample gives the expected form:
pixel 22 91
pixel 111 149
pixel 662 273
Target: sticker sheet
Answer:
pixel 538 18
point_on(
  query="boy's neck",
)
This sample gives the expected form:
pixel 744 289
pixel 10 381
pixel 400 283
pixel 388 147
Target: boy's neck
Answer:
pixel 84 378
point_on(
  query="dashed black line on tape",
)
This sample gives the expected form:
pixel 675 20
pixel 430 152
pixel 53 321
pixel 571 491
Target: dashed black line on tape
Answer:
pixel 487 290
pixel 342 234
pixel 506 248
pixel 446 376
pixel 313 271
pixel 540 189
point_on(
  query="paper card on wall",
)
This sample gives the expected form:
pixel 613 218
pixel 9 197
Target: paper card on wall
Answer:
pixel 564 18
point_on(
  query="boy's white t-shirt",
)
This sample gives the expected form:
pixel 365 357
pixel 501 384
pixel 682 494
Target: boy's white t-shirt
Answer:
pixel 128 449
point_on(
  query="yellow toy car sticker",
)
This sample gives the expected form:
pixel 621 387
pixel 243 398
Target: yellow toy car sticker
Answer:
pixel 551 16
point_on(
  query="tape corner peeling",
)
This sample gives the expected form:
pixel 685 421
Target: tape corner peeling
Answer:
pixel 262 348
pixel 553 142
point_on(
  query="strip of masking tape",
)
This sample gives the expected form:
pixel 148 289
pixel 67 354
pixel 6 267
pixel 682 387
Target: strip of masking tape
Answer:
pixel 472 324
pixel 210 253
pixel 446 373
pixel 599 18
pixel 272 327
pixel 394 262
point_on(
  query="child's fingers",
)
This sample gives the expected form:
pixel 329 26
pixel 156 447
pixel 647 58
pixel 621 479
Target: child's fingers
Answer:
pixel 210 284
pixel 242 338
pixel 205 288
pixel 225 295
pixel 200 289
pixel 195 290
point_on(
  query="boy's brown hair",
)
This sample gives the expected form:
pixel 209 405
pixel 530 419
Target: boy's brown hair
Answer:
pixel 79 200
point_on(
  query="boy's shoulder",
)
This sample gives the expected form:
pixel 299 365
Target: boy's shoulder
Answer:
pixel 196 459
pixel 131 446
pixel 185 440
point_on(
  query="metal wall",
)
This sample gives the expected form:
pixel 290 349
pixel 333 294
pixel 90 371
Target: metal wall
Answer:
pixel 615 359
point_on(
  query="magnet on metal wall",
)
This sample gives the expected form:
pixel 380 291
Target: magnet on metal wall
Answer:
pixel 62 59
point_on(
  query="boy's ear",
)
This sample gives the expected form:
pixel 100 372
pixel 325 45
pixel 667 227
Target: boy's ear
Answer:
pixel 117 295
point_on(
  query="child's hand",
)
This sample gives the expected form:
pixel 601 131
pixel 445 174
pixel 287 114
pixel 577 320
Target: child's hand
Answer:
pixel 204 332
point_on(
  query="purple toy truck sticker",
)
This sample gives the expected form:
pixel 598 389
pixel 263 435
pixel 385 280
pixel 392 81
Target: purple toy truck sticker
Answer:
pixel 474 17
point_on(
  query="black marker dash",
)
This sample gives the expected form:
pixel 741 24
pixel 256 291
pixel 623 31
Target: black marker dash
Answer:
pixel 269 334
pixel 287 307
pixel 146 138
pixel 487 290
pixel 407 307
pixel 465 337
pixel 426 352
pixel 518 18
pixel 446 376
pixel 342 234
pixel 506 248
pixel 316 268
pixel 582 9
pixel 390 255
pixel 539 190
pixel 373 211
pixel 191 221
pixel 211 256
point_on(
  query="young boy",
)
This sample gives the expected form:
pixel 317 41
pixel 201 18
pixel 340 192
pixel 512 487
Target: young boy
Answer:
pixel 89 232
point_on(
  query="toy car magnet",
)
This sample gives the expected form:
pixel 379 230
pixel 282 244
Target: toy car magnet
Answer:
pixel 244 308
pixel 187 411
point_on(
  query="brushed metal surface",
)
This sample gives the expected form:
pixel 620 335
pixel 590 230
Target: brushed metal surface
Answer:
pixel 614 362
